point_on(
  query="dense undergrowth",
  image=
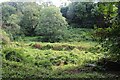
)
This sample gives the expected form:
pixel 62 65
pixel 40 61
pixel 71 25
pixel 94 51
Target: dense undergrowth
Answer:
pixel 71 35
pixel 51 60
pixel 29 58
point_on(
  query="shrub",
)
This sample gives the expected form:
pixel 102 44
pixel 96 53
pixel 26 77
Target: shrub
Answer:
pixel 13 54
pixel 43 63
pixel 17 70
pixel 4 37
pixel 110 39
pixel 38 46
pixel 58 47
pixel 48 46
pixel 69 47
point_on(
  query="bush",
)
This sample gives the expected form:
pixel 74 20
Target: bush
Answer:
pixel 78 34
pixel 17 70
pixel 48 46
pixel 110 39
pixel 4 37
pixel 38 46
pixel 43 63
pixel 12 54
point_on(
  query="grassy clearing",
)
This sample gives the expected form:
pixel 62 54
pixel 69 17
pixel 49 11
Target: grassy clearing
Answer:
pixel 47 62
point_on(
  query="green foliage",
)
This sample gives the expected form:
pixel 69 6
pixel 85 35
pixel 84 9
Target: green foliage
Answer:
pixel 51 24
pixel 46 47
pixel 111 42
pixel 86 15
pixel 44 63
pixel 7 11
pixel 13 27
pixel 108 12
pixel 70 35
pixel 11 18
pixel 29 20
pixel 20 18
pixel 110 36
pixel 19 70
pixel 63 46
pixel 47 24
pixel 12 54
pixel 47 62
pixel 24 71
pixel 80 13
pixel 4 37
pixel 78 34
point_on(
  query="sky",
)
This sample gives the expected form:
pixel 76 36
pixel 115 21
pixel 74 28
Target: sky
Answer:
pixel 3 0
pixel 55 2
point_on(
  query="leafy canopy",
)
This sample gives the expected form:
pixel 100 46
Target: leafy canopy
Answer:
pixel 51 24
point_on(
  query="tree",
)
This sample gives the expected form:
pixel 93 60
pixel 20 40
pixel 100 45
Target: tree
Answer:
pixel 11 19
pixel 7 11
pixel 51 24
pixel 110 36
pixel 80 13
pixel 106 13
pixel 29 20
pixel 12 26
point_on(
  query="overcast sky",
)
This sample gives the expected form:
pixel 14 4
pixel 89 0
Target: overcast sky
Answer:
pixel 58 2
pixel 55 2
